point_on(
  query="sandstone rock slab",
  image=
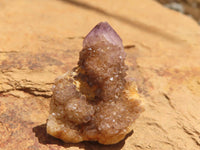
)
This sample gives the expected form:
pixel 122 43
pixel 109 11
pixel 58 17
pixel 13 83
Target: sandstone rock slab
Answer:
pixel 41 40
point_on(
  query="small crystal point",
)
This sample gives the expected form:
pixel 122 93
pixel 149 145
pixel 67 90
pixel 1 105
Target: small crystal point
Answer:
pixel 102 32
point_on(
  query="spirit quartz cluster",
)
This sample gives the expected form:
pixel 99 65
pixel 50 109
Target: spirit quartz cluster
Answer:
pixel 94 102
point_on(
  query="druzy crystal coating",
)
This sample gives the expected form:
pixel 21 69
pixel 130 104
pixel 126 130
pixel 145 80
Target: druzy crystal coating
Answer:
pixel 94 102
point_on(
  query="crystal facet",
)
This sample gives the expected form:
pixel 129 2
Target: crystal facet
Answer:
pixel 102 32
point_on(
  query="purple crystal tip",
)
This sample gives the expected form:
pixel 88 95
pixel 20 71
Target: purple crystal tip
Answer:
pixel 102 32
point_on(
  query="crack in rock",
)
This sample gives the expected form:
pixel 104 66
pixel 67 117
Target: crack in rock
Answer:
pixel 168 100
pixel 37 86
pixel 192 135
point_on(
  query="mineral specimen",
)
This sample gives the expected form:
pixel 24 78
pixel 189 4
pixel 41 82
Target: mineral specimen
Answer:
pixel 95 102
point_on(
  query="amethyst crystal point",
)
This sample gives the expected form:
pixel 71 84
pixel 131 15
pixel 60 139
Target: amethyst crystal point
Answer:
pixel 102 32
pixel 103 59
pixel 94 101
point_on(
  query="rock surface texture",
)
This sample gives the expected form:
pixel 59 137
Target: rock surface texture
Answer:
pixel 40 40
